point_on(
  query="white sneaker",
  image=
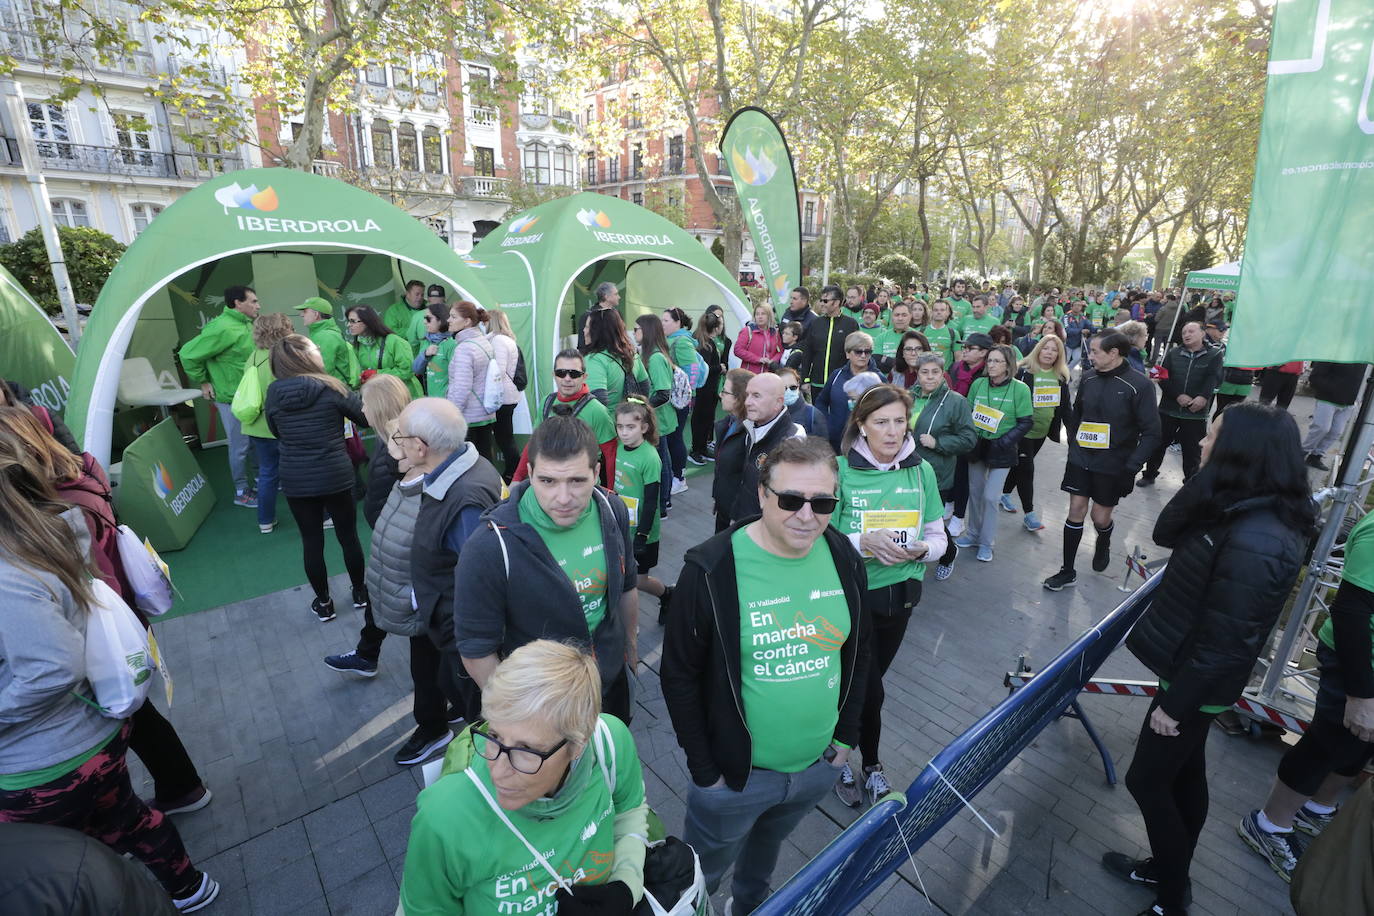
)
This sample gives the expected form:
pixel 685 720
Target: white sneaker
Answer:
pixel 679 486
pixel 877 785
pixel 847 789
pixel 956 526
pixel 204 894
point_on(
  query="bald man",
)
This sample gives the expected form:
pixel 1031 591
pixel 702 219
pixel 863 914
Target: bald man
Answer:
pixel 766 424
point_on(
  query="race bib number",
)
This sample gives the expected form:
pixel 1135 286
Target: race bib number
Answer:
pixel 904 523
pixel 632 504
pixel 1094 435
pixel 1045 396
pixel 986 418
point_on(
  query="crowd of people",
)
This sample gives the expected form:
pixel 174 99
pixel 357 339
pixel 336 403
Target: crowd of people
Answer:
pixel 853 446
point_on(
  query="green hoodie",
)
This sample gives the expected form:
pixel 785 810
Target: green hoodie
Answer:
pixel 399 315
pixel 944 415
pixel 395 359
pixel 218 353
pixel 339 359
pixel 463 861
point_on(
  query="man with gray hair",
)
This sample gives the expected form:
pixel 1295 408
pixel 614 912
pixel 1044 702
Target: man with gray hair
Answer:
pixel 457 486
pixel 607 296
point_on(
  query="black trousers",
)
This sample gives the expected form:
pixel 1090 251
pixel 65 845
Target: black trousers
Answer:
pixel 430 705
pixel 889 616
pixel 1277 385
pixel 157 744
pixel 1188 434
pixel 703 418
pixel 370 637
pixel 1226 400
pixel 503 430
pixel 959 495
pixel 1021 477
pixel 1168 780
pixel 483 438
pixel 1327 746
pixel 309 512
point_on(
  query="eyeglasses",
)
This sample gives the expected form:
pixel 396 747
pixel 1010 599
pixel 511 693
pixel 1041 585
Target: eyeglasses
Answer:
pixel 857 351
pixel 522 759
pixel 568 373
pixel 399 440
pixel 912 350
pixel 793 502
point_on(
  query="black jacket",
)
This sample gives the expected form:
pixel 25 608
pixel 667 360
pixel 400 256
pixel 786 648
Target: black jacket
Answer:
pixel 1337 383
pixel 1125 399
pixel 823 347
pixel 382 474
pixel 1225 585
pixel 56 870
pixel 751 456
pixel 1195 374
pixel 307 417
pixel 731 441
pixel 809 418
pixel 700 672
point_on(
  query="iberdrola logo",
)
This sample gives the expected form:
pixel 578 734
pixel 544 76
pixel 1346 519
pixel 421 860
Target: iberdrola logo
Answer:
pixel 753 168
pixel 522 225
pixel 593 218
pixel 474 264
pixel 780 286
pixel 162 480
pixel 249 198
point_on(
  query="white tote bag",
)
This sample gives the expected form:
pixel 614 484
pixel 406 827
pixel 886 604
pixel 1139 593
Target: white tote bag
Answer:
pixel 119 659
pixel 146 573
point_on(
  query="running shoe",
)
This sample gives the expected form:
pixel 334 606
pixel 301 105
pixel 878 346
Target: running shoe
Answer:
pixel 329 523
pixel 965 542
pixel 984 553
pixel 943 572
pixel 419 747
pixel 956 526
pixel 246 499
pixel 1006 503
pixel 360 598
pixel 876 784
pixel 352 663
pixel 1280 850
pixel 1061 580
pixel 710 451
pixel 1315 461
pixel 1146 480
pixel 847 790
pixel 1140 872
pixel 679 486
pixel 324 609
pixel 1312 823
pixel 698 460
pixel 194 800
pixel 268 528
pixel 204 894
pixel 1032 522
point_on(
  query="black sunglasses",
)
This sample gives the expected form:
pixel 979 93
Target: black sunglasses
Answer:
pixel 862 352
pixel 522 759
pixel 568 373
pixel 792 502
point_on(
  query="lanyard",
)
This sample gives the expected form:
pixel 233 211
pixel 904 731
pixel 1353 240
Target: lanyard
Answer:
pixel 1001 402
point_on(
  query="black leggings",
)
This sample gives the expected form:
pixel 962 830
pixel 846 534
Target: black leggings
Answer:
pixel 703 418
pixel 1021 477
pixel 309 512
pixel 1280 385
pixel 960 492
pixel 504 431
pixel 159 746
pixel 483 438
pixel 889 621
pixel 1226 400
pixel 1168 780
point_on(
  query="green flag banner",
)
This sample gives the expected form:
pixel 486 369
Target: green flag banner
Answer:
pixel 760 163
pixel 1312 205
pixel 32 352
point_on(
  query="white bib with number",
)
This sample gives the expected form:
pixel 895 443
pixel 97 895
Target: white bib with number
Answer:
pixel 986 418
pixel 1045 396
pixel 1094 435
pixel 633 505
pixel 905 523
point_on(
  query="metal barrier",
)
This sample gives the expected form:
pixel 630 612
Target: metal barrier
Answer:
pixel 853 865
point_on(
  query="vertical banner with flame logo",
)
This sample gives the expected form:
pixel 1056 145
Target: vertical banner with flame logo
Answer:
pixel 766 183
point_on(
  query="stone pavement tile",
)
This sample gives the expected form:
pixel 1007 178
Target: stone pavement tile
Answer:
pixel 343 860
pixel 392 794
pixel 265 854
pixel 291 889
pixel 287 789
pixel 233 901
pixel 393 831
pixel 259 798
pixel 226 868
pixel 373 893
pixel 335 821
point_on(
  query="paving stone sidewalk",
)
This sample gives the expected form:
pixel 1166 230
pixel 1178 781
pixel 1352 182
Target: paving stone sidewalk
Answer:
pixel 310 815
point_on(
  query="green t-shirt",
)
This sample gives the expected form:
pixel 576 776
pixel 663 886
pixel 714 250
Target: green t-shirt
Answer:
pixel 634 469
pixel 793 620
pixel 436 368
pixel 996 410
pixel 972 325
pixel 461 859
pixel 661 379
pixel 885 342
pixel 943 341
pixel 1359 570
pixel 578 550
pixel 961 307
pixel 1099 314
pixel 1045 395
pixel 903 500
pixel 597 416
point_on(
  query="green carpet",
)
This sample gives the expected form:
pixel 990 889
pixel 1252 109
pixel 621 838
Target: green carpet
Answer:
pixel 228 560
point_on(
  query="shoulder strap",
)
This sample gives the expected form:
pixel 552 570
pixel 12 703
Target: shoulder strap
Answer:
pixel 505 555
pixel 605 754
pixel 562 882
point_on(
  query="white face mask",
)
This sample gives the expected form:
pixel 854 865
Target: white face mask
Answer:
pixel 790 395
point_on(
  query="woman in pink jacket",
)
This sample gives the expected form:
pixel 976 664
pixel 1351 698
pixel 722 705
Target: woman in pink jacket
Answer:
pixel 467 374
pixel 759 345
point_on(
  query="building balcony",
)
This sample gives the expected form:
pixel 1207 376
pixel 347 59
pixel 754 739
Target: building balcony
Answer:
pixel 31 48
pixel 405 180
pixel 61 156
pixel 484 117
pixel 328 168
pixel 485 187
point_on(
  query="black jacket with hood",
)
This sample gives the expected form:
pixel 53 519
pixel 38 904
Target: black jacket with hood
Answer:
pixel 307 416
pixel 1337 383
pixel 1227 580
pixel 700 672
pixel 1124 398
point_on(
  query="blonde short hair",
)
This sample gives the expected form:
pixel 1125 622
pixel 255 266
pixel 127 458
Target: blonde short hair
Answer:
pixel 1136 332
pixel 553 682
pixel 384 397
pixel 857 339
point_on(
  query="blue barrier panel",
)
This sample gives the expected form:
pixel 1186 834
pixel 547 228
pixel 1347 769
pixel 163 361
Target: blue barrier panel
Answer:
pixel 853 865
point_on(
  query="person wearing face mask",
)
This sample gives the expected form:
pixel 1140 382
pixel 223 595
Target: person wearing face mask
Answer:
pixel 891 511
pixel 1002 417
pixel 545 772
pixel 858 347
pixel 803 414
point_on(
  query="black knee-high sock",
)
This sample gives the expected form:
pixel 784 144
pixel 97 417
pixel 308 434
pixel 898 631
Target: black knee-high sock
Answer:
pixel 1105 534
pixel 1073 536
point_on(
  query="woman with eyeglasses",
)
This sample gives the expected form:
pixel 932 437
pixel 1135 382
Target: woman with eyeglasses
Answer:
pixel 858 348
pixel 571 397
pixel 381 349
pixel 1001 412
pixel 542 803
pixel 891 510
pixel 911 345
pixel 431 363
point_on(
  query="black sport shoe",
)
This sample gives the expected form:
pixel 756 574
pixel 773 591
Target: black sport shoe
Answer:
pixel 1102 553
pixel 698 460
pixel 324 609
pixel 360 598
pixel 1140 872
pixel 1061 580
pixel 352 663
pixel 419 747
pixel 1315 461
pixel 1145 481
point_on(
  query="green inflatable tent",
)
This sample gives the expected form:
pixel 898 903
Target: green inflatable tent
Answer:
pixel 545 263
pixel 358 245
pixel 32 351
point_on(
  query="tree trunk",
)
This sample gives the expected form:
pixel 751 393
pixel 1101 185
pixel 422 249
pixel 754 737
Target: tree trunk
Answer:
pixel 925 228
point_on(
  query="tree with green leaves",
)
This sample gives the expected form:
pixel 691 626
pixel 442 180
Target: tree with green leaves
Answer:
pixel 90 254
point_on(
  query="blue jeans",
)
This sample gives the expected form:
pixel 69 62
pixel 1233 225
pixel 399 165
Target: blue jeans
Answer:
pixel 268 455
pixel 747 828
pixel 238 447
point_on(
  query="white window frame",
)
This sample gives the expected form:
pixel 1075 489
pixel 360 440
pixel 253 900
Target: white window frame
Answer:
pixel 143 212
pixel 54 137
pixel 134 146
pixel 64 212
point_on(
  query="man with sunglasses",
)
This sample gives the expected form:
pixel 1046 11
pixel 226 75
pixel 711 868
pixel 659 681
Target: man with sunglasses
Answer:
pixel 823 342
pixel 572 398
pixel 766 641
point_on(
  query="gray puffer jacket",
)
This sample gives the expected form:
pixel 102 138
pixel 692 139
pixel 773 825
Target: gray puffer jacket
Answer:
pixel 388 564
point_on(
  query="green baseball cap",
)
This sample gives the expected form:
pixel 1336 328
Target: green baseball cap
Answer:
pixel 318 304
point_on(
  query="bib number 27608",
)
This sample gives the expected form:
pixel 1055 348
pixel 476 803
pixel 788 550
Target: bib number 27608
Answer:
pixel 1094 435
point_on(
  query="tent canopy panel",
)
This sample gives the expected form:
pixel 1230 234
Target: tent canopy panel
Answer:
pixel 32 351
pixel 1221 276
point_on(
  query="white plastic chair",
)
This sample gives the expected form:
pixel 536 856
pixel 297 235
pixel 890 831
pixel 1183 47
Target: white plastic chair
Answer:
pixel 139 387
